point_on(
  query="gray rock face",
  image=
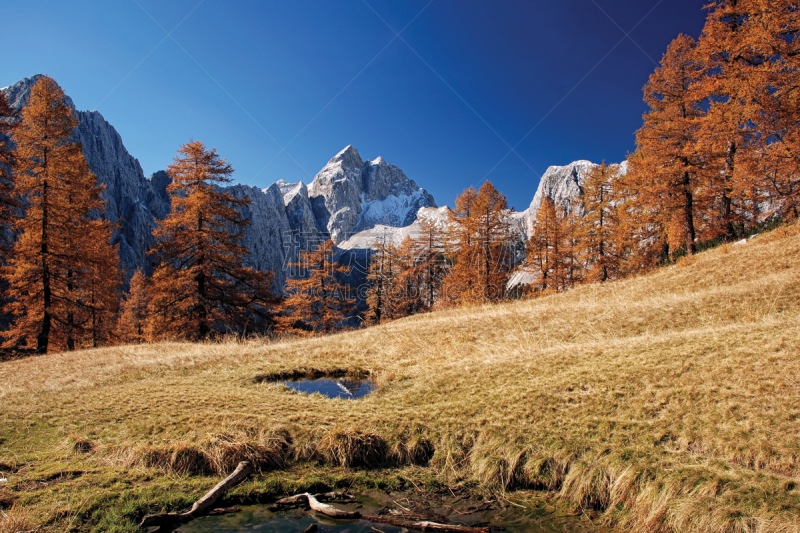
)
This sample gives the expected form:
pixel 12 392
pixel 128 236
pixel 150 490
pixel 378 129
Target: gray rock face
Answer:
pixel 349 195
pixel 265 235
pixel 131 200
pixel 132 203
pixel 18 93
pixel 564 186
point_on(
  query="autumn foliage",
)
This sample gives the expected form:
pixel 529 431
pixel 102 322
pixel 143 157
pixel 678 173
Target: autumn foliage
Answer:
pixel 132 322
pixel 316 300
pixel 717 156
pixel 63 271
pixel 201 286
pixel 8 203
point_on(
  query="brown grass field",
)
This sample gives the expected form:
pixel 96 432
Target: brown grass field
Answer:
pixel 667 402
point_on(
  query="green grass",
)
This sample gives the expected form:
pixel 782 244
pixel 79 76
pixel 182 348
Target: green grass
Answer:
pixel 667 402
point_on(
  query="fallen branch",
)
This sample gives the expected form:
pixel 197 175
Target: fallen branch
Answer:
pixel 426 525
pixel 201 506
pixel 301 499
pixel 331 511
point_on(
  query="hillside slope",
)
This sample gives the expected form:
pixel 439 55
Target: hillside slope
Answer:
pixel 668 402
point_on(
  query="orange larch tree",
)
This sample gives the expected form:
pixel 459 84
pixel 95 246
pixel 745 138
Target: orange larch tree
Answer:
pixel 641 237
pixel 597 227
pixel 316 302
pixel 668 142
pixel 493 240
pixel 51 269
pixel 727 135
pixel 428 261
pixel 753 51
pixel 546 258
pixel 479 247
pixel 132 322
pixel 8 202
pixel 101 292
pixel 201 286
pixel 410 280
pixel 384 297
pixel 459 282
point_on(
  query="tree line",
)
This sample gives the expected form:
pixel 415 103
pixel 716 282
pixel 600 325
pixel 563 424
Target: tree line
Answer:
pixel 718 154
pixel 61 273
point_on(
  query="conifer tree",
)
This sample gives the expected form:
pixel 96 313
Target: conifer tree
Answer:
pixel 101 293
pixel 384 297
pixel 8 202
pixel 493 239
pixel 668 142
pixel 51 270
pixel 727 135
pixel 545 254
pixel 769 50
pixel 317 302
pixel 428 261
pixel 459 283
pixel 598 225
pixel 641 239
pixel 572 267
pixel 479 246
pixel 132 323
pixel 201 287
pixel 410 279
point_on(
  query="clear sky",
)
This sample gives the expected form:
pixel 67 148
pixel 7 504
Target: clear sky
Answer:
pixel 279 87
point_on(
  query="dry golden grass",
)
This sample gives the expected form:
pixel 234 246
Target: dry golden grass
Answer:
pixel 668 402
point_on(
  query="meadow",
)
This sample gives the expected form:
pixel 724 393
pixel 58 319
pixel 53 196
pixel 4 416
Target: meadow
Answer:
pixel 665 402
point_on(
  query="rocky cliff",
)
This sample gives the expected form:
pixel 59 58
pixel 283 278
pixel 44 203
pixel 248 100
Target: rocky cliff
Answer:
pixel 132 201
pixel 348 195
pixel 564 186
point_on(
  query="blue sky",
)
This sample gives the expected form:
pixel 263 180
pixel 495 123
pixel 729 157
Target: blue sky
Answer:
pixel 280 87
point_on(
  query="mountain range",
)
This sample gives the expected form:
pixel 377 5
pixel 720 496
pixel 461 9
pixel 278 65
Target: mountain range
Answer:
pixel 351 201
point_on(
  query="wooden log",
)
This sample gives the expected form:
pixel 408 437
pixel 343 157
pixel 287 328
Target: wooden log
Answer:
pixel 300 499
pixel 201 506
pixel 329 510
pixel 425 525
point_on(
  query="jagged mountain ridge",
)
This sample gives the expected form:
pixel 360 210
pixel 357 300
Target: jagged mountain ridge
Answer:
pixel 354 202
pixel 132 201
pixel 347 195
pixel 561 184
pixel 564 186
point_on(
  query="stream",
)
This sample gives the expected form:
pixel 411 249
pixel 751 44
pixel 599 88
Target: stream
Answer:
pixel 471 511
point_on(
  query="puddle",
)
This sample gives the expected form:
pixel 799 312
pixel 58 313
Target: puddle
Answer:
pixel 471 512
pixel 344 388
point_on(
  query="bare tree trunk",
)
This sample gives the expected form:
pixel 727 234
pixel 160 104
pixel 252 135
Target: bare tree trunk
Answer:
pixel 203 505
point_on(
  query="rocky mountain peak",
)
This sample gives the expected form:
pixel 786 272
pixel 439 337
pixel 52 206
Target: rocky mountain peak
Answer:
pixel 350 195
pixel 348 159
pixel 564 186
pixel 18 93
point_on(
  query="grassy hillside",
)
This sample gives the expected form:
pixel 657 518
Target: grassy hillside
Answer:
pixel 669 402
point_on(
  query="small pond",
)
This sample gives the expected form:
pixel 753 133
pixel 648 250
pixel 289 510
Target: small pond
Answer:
pixel 345 388
pixel 470 511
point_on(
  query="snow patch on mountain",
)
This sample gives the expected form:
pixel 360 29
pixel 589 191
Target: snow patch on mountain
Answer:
pixel 371 238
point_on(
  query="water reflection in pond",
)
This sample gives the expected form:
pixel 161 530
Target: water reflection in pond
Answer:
pixel 345 388
pixel 466 512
